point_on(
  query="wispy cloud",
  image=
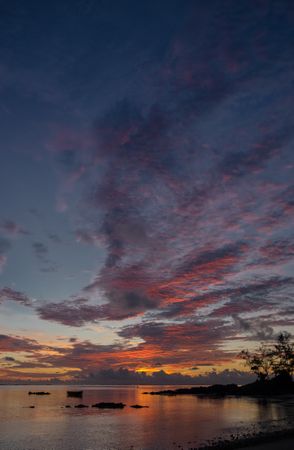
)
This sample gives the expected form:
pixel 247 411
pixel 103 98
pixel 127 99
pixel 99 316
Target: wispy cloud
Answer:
pixel 5 246
pixel 3 260
pixel 178 173
pixel 12 229
pixel 7 293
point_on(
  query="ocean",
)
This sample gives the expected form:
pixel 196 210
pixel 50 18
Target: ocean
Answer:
pixel 169 422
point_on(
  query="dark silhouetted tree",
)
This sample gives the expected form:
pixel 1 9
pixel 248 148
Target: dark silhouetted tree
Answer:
pixel 283 356
pixel 259 362
pixel 276 360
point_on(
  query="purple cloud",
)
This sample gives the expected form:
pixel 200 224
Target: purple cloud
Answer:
pixel 12 229
pixel 7 293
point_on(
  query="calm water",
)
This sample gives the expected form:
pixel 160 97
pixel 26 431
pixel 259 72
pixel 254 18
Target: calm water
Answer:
pixel 167 423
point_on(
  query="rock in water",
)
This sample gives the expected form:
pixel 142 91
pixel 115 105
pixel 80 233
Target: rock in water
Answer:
pixel 109 405
pixel 139 406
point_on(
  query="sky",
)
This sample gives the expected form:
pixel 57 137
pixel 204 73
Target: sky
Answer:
pixel 146 187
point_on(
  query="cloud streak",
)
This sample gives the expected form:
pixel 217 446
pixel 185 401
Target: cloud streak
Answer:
pixel 172 219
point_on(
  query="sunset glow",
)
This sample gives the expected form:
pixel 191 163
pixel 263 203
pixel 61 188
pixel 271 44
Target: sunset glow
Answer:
pixel 146 189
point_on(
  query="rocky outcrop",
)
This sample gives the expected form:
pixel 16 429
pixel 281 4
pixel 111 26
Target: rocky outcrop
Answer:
pixel 139 406
pixel 109 405
pixel 38 393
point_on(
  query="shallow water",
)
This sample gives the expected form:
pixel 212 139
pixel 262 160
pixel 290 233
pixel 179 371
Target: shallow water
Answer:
pixel 169 422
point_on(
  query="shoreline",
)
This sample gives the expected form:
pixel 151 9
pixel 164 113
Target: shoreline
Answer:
pixel 260 441
pixel 267 388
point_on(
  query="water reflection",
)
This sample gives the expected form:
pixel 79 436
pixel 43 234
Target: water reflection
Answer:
pixel 182 419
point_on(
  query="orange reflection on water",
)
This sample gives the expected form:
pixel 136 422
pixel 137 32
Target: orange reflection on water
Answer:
pixel 166 419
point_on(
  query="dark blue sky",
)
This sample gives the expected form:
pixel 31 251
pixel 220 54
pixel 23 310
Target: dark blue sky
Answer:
pixel 146 183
